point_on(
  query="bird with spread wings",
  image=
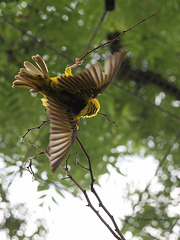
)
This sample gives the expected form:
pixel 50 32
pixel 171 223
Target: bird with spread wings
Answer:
pixel 67 98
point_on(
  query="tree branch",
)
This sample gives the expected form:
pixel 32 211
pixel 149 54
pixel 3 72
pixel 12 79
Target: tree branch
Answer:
pixel 120 35
pixel 108 118
pixel 89 162
pixel 89 202
pixel 96 194
pixel 117 234
pixel 30 129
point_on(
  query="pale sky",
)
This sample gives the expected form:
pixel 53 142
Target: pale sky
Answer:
pixel 71 218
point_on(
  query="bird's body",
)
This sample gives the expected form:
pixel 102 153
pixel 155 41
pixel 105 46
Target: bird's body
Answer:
pixel 67 98
pixel 79 103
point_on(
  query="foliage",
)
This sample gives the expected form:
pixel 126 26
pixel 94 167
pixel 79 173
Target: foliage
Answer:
pixel 14 220
pixel 60 33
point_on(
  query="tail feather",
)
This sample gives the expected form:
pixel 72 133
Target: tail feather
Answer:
pixel 32 69
pixel 41 64
pixel 31 77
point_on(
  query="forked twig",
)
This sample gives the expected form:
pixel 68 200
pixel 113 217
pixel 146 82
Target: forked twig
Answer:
pixel 75 153
pixel 40 151
pixel 117 234
pixel 30 129
pixel 97 196
pixel 108 118
pixel 29 167
pixel 90 204
pixel 89 162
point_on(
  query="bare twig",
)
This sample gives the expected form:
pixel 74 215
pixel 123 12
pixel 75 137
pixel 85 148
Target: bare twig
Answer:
pixel 75 153
pixel 30 129
pixel 40 151
pixel 108 213
pixel 119 236
pixel 71 177
pixel 29 167
pixel 108 118
pixel 79 186
pixel 90 204
pixel 78 60
pixel 118 37
pixel 96 194
pixel 33 145
pixel 82 166
pixel 89 162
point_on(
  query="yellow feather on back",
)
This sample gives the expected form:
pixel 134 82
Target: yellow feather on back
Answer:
pixel 67 73
pixel 44 101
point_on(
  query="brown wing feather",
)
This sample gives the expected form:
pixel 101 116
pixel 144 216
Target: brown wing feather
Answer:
pixel 93 79
pixel 63 131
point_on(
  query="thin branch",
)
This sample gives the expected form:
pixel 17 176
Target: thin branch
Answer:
pixel 89 202
pixel 108 118
pixel 71 177
pixel 28 152
pixel 120 35
pixel 29 167
pixel 78 60
pixel 89 162
pixel 78 185
pixel 82 166
pixel 40 151
pixel 108 213
pixel 75 153
pixel 95 193
pixel 30 129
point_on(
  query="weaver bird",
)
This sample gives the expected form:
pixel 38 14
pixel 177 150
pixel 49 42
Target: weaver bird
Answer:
pixel 67 98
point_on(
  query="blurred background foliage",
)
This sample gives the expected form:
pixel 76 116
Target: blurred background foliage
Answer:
pixel 144 98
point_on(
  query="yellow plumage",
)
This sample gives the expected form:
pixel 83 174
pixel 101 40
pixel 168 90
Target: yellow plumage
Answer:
pixel 67 98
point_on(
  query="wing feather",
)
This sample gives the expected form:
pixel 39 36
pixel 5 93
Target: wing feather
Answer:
pixel 93 80
pixel 63 131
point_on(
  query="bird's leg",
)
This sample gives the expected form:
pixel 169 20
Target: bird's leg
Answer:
pixel 78 62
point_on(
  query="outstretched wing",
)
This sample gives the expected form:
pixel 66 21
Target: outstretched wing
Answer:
pixel 63 131
pixel 93 81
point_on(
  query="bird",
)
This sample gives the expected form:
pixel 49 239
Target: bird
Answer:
pixel 67 98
